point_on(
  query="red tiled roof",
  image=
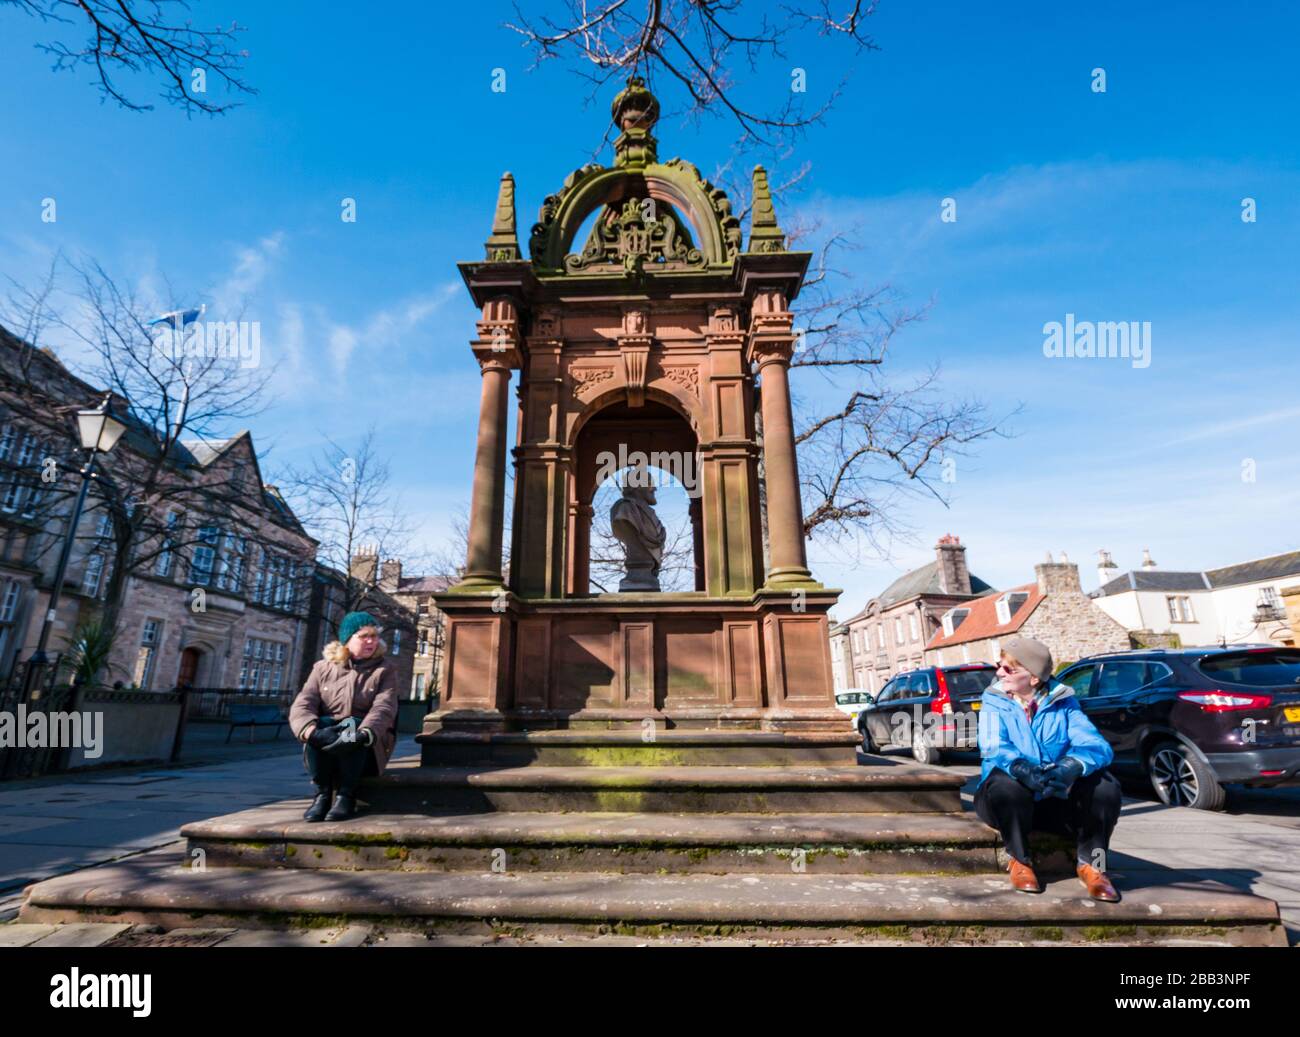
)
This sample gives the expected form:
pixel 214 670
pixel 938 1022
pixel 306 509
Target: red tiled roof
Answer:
pixel 982 622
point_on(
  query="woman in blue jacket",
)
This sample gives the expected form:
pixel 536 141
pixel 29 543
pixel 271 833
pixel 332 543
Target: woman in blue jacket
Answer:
pixel 1045 767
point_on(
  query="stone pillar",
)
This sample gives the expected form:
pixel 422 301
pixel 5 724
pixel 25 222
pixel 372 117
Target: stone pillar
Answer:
pixel 497 351
pixel 696 510
pixel 771 344
pixel 580 516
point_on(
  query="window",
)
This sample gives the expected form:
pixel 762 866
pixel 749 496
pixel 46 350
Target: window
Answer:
pixel 150 636
pixel 913 627
pixel 952 619
pixel 262 668
pixel 163 565
pixel 104 526
pixel 995 650
pixel 1080 679
pixel 205 553
pixel 418 690
pixel 880 636
pixel 230 569
pixel 397 642
pixel 9 606
pixel 7 439
pixel 91 577
pixel 1260 668
pixel 898 629
pixel 422 646
pixel 1268 597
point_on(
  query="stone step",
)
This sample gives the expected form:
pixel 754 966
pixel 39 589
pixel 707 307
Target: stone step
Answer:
pixel 885 788
pixel 858 844
pixel 154 889
pixel 595 748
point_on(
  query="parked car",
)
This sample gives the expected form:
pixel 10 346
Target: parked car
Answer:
pixel 948 696
pixel 851 700
pixel 1191 720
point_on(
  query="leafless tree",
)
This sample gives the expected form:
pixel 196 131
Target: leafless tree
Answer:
pixel 346 499
pixel 865 442
pixel 607 564
pixel 695 50
pixel 124 38
pixel 160 502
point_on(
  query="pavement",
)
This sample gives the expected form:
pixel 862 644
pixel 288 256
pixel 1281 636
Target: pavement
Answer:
pixel 63 823
pixel 1253 845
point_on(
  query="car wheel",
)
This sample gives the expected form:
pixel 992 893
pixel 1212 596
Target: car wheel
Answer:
pixel 923 751
pixel 1181 779
pixel 868 743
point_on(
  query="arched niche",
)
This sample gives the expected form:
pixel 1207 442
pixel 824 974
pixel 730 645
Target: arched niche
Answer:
pixel 613 436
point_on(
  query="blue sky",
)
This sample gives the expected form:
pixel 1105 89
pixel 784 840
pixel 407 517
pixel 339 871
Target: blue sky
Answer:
pixel 1117 206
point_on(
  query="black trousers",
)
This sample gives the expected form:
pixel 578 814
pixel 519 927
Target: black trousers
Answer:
pixel 342 769
pixel 1088 816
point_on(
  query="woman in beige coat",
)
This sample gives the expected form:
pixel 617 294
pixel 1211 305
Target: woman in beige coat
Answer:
pixel 346 714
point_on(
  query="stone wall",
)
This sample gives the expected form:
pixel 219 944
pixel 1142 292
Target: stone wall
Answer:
pixel 1067 621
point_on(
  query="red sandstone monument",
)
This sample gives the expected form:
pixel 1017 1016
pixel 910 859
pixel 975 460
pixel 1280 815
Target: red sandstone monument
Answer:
pixel 664 331
pixel 756 822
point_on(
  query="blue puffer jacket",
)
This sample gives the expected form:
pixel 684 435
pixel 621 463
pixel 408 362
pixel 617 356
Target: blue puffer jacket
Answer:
pixel 1060 728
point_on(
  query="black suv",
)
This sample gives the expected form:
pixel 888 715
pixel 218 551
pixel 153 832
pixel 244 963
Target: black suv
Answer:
pixel 1192 719
pixel 929 710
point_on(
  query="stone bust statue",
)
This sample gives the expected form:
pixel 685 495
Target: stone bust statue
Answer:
pixel 634 522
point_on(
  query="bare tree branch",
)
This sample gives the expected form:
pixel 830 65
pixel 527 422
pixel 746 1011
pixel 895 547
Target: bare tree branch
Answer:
pixel 142 38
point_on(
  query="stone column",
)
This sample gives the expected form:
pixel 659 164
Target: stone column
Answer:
pixel 497 352
pixel 771 345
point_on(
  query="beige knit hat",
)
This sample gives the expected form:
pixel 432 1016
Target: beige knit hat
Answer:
pixel 1033 655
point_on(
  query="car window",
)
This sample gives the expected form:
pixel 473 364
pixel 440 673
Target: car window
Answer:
pixel 888 691
pixel 964 683
pixel 1080 679
pixel 1121 677
pixel 1261 668
pixel 918 684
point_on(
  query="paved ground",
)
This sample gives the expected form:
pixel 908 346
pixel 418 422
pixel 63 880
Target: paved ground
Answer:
pixel 1254 845
pixel 61 823
pixel 55 825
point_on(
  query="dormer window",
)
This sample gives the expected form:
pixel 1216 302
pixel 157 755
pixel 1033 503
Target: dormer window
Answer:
pixel 1009 604
pixel 952 619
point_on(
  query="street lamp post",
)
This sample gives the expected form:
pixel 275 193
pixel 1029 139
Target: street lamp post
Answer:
pixel 99 431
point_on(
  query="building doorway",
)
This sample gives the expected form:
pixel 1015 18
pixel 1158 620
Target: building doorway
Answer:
pixel 189 668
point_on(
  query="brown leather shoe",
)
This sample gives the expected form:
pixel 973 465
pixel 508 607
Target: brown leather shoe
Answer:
pixel 1098 886
pixel 1023 877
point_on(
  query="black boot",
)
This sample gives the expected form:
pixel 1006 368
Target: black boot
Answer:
pixel 319 805
pixel 344 808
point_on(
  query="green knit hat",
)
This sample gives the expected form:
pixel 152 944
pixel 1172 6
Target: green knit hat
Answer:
pixel 353 622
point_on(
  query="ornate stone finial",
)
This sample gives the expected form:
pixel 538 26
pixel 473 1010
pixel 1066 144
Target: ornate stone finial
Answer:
pixel 503 246
pixel 635 111
pixel 765 234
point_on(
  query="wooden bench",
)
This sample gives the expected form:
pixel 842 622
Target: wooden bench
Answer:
pixel 253 716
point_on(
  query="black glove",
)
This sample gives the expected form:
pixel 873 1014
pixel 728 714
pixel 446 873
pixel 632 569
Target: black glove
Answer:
pixel 348 738
pixel 323 737
pixel 1061 776
pixel 1030 775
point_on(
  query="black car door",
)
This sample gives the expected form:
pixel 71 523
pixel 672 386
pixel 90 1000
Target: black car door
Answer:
pixel 876 715
pixel 1119 704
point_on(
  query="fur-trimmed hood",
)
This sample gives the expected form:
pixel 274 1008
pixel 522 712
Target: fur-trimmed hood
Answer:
pixel 336 652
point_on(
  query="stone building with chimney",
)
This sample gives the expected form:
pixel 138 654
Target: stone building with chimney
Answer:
pixel 1053 609
pixel 890 634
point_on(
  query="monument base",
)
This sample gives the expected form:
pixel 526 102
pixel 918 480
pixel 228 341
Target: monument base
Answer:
pixel 650 661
